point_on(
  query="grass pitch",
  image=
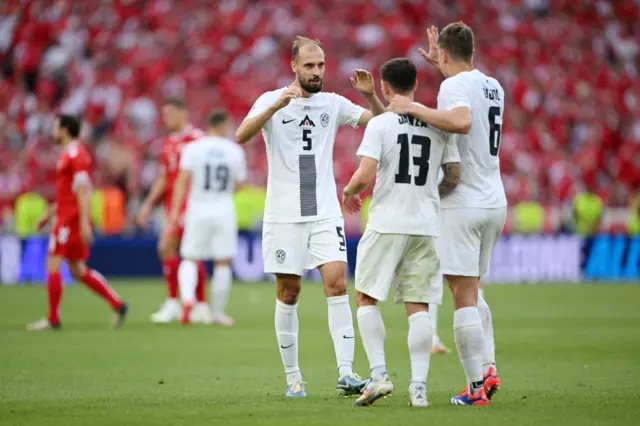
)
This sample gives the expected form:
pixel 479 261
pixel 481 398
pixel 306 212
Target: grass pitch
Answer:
pixel 566 355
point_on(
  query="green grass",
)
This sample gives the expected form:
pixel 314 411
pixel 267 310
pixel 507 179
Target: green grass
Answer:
pixel 566 354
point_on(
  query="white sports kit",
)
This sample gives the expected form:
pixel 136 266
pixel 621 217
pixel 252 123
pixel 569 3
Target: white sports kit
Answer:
pixel 211 230
pixel 398 246
pixel 303 224
pixel 474 214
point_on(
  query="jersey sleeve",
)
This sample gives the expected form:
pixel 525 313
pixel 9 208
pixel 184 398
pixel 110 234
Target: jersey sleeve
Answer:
pixel 241 167
pixel 264 102
pixel 452 95
pixel 373 139
pixel 451 154
pixel 188 158
pixel 81 168
pixel 348 112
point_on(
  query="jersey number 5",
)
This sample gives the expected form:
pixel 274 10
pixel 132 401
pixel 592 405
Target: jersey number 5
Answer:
pixel 306 138
pixel 221 176
pixel 422 160
pixel 495 130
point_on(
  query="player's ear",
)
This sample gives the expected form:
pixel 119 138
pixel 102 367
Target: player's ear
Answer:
pixel 386 90
pixel 294 68
pixel 415 85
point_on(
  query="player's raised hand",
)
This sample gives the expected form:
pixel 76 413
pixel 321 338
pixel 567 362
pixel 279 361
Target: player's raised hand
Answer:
pixel 433 54
pixel 399 104
pixel 292 92
pixel 351 203
pixel 363 82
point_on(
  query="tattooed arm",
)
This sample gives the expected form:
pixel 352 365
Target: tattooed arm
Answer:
pixel 450 179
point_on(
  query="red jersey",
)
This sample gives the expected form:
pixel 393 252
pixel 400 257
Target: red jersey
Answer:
pixel 170 160
pixel 73 169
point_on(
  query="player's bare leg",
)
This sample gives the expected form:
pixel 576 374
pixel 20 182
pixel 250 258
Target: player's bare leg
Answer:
pixel 168 253
pixel 220 289
pixel 54 296
pixel 469 337
pixel 490 377
pixel 372 333
pixel 99 285
pixel 286 323
pixel 334 279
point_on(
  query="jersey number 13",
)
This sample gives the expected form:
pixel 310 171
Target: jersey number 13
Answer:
pixel 422 160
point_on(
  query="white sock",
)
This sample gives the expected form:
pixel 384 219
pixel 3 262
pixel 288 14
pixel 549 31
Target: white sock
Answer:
pixel 489 354
pixel 420 340
pixel 433 313
pixel 188 280
pixel 467 330
pixel 342 333
pixel 286 322
pixel 372 333
pixel 220 288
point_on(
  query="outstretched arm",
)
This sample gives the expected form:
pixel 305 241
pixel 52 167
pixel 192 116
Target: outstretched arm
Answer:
pixel 456 120
pixel 363 83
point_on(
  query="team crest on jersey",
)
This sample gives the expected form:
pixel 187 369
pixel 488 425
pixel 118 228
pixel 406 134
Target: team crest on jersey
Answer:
pixel 280 256
pixel 324 119
pixel 306 122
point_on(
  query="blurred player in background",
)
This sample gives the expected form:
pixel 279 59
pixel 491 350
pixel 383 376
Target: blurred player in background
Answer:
pixel 181 133
pixel 72 233
pixel 214 166
pixel 303 223
pixel 403 154
pixel 472 104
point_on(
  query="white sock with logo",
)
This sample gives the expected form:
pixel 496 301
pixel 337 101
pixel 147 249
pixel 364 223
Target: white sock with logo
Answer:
pixel 489 354
pixel 373 334
pixel 467 330
pixel 342 332
pixel 286 322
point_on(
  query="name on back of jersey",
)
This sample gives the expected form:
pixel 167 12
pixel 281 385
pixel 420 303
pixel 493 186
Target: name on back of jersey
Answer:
pixel 491 94
pixel 402 119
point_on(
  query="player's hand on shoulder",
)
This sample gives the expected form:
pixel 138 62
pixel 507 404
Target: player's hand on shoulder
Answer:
pixel 351 203
pixel 432 55
pixel 292 92
pixel 400 104
pixel 363 82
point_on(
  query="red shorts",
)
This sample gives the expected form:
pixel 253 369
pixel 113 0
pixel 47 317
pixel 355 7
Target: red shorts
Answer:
pixel 65 242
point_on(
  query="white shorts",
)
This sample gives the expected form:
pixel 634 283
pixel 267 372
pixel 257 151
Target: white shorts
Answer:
pixel 467 239
pixel 292 248
pixel 409 263
pixel 209 238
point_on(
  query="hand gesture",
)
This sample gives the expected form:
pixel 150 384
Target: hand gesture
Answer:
pixel 399 104
pixel 363 82
pixel 351 203
pixel 86 233
pixel 143 216
pixel 292 92
pixel 433 55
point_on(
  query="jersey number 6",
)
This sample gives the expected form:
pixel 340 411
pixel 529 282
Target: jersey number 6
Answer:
pixel 495 129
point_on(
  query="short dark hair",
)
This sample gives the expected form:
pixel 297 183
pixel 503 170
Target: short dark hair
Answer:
pixel 217 117
pixel 71 123
pixel 399 73
pixel 303 41
pixel 175 102
pixel 458 40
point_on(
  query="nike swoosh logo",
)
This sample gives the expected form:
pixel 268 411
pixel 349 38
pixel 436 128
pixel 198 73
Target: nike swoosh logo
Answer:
pixel 347 337
pixel 287 122
pixel 286 347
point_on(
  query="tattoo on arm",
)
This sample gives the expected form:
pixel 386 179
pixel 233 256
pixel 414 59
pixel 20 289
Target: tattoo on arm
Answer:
pixel 450 180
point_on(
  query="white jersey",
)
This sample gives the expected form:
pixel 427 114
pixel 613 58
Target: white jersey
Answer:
pixel 216 165
pixel 480 182
pixel 409 153
pixel 301 186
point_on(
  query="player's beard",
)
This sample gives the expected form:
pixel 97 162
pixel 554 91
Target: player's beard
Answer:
pixel 311 86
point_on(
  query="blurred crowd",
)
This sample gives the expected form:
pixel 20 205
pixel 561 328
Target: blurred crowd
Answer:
pixel 569 69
